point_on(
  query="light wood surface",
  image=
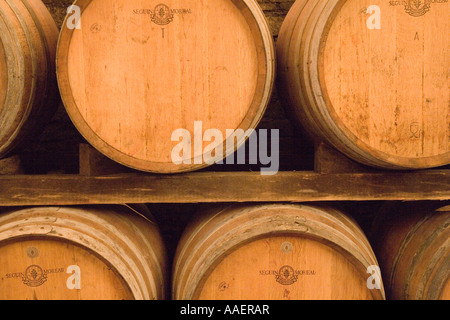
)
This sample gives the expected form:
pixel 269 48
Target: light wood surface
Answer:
pixel 250 273
pixel 119 252
pixel 98 280
pixel 273 252
pixel 128 82
pixel 412 243
pixel 28 88
pixel 379 96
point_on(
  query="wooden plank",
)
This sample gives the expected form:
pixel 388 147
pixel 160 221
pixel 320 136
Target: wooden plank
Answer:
pixel 329 160
pixel 94 163
pixel 206 187
pixel 11 165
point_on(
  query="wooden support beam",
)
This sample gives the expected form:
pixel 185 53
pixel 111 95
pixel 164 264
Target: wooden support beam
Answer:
pixel 329 160
pixel 213 187
pixel 11 165
pixel 93 163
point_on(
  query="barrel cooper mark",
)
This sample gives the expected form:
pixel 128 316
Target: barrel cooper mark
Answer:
pixel 416 8
pixel 162 14
pixel 34 275
pixel 287 275
pixel 415 130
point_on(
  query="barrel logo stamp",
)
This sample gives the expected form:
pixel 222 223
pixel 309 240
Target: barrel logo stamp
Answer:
pixel 34 276
pixel 416 8
pixel 287 275
pixel 162 14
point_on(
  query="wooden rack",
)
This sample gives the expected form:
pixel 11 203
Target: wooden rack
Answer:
pixel 335 178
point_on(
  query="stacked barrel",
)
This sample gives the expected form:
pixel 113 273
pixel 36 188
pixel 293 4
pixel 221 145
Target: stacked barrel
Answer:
pixel 139 78
pixel 28 88
pixel 83 253
pixel 132 76
pixel 377 93
pixel 368 78
pixel 413 244
pixel 274 252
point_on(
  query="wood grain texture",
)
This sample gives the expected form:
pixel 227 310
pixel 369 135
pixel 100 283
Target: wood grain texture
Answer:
pixel 137 71
pixel 412 243
pixel 99 280
pixel 28 88
pixel 93 163
pixel 119 251
pixel 273 252
pixel 222 187
pixel 379 96
pixel 250 273
pixel 328 160
pixel 3 76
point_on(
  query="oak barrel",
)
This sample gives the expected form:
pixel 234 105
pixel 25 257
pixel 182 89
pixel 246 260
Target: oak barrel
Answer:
pixel 370 77
pixel 28 88
pixel 274 252
pixel 137 73
pixel 412 243
pixel 81 253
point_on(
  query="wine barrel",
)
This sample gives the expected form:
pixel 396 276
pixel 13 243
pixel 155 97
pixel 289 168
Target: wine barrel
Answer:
pixel 82 253
pixel 412 243
pixel 274 252
pixel 380 96
pixel 136 73
pixel 28 88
